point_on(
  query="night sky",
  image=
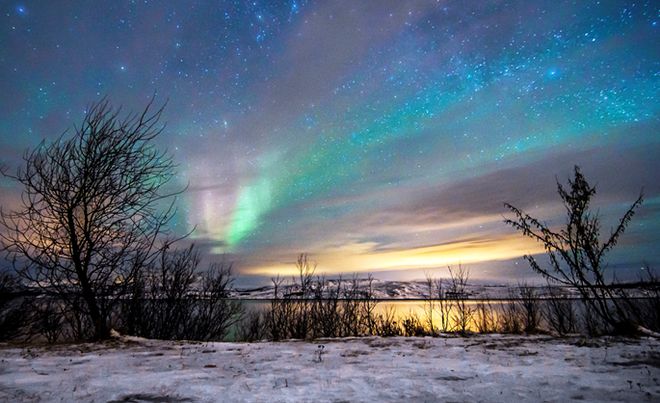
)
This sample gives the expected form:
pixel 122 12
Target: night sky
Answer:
pixel 378 136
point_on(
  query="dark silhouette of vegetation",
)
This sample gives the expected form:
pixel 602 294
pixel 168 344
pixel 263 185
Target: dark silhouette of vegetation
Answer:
pixel 88 242
pixel 510 320
pixel 576 254
pixel 649 307
pixel 463 312
pixel 252 327
pixel 429 305
pixel 443 306
pixel 530 306
pixel 414 327
pixel 446 300
pixel 48 320
pixel 173 300
pixel 310 307
pixel 90 212
pixel 340 308
pixel 560 312
pixel 13 309
pixel 485 318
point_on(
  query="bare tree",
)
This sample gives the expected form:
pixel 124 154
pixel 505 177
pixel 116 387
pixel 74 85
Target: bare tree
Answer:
pixel 444 306
pixel 326 310
pixel 429 303
pixel 368 303
pixel 576 254
pixel 530 306
pixel 463 312
pixel 300 321
pixel 92 207
pixel 306 270
pixel 279 311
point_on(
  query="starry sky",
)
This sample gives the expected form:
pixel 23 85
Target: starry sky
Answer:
pixel 378 136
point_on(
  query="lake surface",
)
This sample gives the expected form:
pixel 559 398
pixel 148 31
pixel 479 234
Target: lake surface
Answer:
pixel 470 311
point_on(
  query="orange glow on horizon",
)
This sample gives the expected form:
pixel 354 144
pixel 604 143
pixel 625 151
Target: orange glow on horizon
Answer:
pixel 361 257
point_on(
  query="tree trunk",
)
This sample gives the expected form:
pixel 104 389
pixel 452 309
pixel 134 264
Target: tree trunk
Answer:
pixel 101 330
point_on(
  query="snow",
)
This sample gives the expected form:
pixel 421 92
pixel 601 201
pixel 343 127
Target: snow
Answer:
pixel 393 290
pixel 497 368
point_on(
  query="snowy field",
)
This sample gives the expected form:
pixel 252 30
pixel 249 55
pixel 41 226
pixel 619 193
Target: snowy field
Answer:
pixel 490 368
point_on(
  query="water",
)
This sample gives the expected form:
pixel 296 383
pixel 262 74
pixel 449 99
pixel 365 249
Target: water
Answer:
pixel 442 315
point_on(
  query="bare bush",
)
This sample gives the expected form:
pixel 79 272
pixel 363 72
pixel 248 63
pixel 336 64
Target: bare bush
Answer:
pixel 214 312
pixel 170 284
pixel 649 310
pixel 327 309
pixel 463 311
pixel 643 308
pixel 592 322
pixel 307 308
pixel 443 306
pixel 13 308
pixel 560 312
pixel 576 254
pixel 306 270
pixel 368 305
pixel 252 327
pixel 299 322
pixel 485 318
pixel 174 300
pixel 530 307
pixel 280 312
pixel 47 319
pixel 356 310
pixel 430 302
pixel 414 327
pixel 386 324
pixel 510 318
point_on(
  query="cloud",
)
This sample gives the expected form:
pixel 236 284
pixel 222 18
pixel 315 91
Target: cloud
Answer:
pixel 363 257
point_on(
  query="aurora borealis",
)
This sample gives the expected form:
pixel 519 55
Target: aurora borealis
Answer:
pixel 378 136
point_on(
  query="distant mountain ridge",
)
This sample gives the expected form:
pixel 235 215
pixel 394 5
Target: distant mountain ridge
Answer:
pixel 401 290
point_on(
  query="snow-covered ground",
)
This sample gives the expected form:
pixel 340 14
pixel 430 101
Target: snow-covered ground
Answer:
pixel 481 368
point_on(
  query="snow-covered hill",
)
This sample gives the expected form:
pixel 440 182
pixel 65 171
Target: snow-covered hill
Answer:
pixel 405 290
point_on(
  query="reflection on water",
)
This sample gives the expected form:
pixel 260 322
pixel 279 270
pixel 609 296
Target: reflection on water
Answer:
pixel 446 315
pixel 435 315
